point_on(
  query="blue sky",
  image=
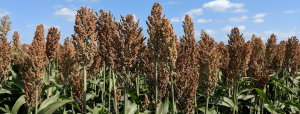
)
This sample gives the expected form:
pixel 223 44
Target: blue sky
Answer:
pixel 216 17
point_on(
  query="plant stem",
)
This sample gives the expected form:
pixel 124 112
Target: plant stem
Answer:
pixel 109 90
pixel 156 109
pixel 48 79
pixel 103 92
pixel 84 89
pixel 172 83
pixel 207 100
pixel 138 90
pixel 115 94
pixel 195 104
pixel 36 99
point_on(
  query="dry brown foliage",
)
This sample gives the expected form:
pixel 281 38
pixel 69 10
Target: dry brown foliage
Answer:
pixel 292 55
pixel 77 86
pixel 85 36
pixel 5 26
pixel 270 49
pixel 239 54
pixel 5 60
pixel 258 67
pixel 52 44
pixel 185 78
pixel 67 61
pixel 32 66
pixel 224 65
pixel 162 74
pixel 128 46
pixel 209 62
pixel 16 42
pixel 279 56
pixel 106 30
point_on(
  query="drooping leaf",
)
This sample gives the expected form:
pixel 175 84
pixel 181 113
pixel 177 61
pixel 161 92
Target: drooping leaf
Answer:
pixel 18 104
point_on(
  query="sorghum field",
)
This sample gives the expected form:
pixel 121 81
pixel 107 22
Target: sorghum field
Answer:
pixel 106 68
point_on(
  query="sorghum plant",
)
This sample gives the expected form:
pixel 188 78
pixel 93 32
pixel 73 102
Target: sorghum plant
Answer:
pixel 239 54
pixel 227 81
pixel 106 30
pixel 128 46
pixel 32 67
pixel 162 74
pixel 292 55
pixel 67 61
pixel 84 39
pixel 161 43
pixel 52 50
pixel 209 62
pixel 5 26
pixel 270 49
pixel 16 42
pixel 186 65
pixel 5 60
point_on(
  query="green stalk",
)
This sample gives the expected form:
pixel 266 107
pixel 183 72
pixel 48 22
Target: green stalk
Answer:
pixel 156 109
pixel 261 106
pixel 138 89
pixel 103 92
pixel 115 94
pixel 72 99
pixel 207 100
pixel 65 89
pixel 172 83
pixel 84 89
pixel 125 94
pixel 109 91
pixel 48 79
pixel 29 110
pixel 195 104
pixel 36 99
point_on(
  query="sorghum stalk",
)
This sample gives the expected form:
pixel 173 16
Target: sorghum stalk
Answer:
pixel 85 37
pixel 109 90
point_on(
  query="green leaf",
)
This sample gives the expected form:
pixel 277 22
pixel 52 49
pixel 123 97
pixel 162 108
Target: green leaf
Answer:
pixel 48 101
pixel 264 96
pixel 89 96
pixel 54 106
pixel 163 106
pixel 208 111
pixel 18 104
pixel 132 108
pixel 5 91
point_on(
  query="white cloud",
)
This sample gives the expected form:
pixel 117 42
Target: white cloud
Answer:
pixel 171 2
pixel 295 28
pixel 48 27
pixel 3 13
pixel 228 28
pixel 238 19
pixel 58 6
pixel 66 12
pixel 240 10
pixel 175 19
pixel 134 17
pixel 278 33
pixel 195 12
pixel 258 20
pixel 289 11
pixel 223 5
pixel 203 20
pixel 211 32
pixel 261 15
pixel 197 33
pixel 29 25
